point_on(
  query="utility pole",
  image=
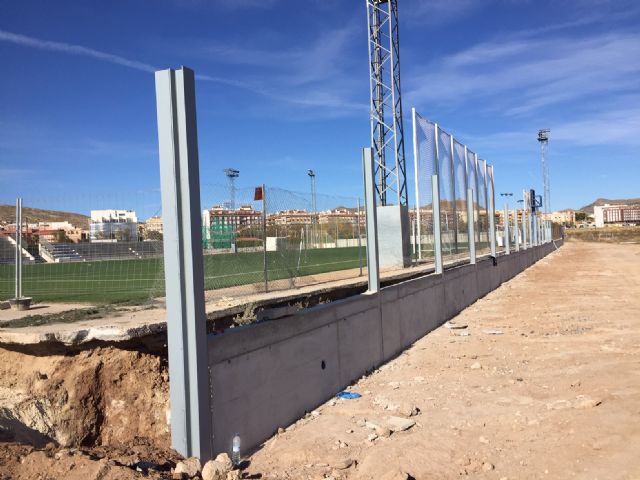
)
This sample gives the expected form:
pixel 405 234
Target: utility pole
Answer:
pixel 543 138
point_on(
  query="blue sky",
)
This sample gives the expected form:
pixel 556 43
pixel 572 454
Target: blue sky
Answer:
pixel 283 87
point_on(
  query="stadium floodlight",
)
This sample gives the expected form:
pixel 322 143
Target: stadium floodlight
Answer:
pixel 232 174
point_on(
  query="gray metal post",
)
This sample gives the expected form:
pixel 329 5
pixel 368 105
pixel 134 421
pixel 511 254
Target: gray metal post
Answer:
pixel 416 160
pixel 516 229
pixel 265 264
pixel 18 248
pixel 492 216
pixel 470 228
pixel 437 231
pixel 359 239
pixel 524 227
pixel 507 239
pixel 183 263
pixel 371 219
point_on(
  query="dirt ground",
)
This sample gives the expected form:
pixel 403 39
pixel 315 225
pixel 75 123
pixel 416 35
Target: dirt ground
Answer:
pixel 556 395
pixel 544 382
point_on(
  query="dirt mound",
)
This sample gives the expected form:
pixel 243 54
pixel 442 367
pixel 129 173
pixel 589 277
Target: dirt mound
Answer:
pixel 101 396
pixel 22 462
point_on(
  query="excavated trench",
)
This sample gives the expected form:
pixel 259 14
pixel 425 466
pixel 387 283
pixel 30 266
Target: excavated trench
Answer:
pixel 100 395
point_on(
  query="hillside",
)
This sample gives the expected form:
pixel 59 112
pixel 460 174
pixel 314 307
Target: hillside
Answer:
pixel 601 201
pixel 34 215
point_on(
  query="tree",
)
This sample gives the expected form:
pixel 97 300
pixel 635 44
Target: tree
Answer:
pixel 153 235
pixel 581 216
pixel 123 235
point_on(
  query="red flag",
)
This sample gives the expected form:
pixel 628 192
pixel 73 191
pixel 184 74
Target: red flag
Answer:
pixel 258 195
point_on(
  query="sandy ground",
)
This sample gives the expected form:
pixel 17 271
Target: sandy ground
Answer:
pixel 543 383
pixel 556 395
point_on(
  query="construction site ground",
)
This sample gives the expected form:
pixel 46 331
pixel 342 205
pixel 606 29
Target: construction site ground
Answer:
pixel 544 382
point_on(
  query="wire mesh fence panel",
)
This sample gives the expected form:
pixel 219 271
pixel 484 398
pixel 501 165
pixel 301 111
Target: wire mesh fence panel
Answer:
pixel 92 248
pixel 264 239
pixel 425 165
pixel 460 177
pixel 447 196
pixel 483 218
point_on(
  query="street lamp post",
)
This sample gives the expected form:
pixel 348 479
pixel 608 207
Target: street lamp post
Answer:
pixel 312 177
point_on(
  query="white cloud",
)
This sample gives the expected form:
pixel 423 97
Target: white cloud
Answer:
pixel 525 75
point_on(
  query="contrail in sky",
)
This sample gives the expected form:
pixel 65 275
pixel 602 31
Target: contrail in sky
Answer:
pixel 81 50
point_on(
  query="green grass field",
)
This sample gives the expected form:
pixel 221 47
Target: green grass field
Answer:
pixel 135 281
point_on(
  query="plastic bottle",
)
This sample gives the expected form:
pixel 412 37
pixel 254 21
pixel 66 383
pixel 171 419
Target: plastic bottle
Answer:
pixel 235 450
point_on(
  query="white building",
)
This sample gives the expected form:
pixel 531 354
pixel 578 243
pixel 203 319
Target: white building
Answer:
pixel 113 225
pixel 616 214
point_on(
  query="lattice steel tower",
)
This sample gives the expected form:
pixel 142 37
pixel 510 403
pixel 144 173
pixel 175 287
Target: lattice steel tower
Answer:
pixel 387 132
pixel 232 174
pixel 543 138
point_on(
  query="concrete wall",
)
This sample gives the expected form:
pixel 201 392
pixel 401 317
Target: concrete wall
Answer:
pixel 268 375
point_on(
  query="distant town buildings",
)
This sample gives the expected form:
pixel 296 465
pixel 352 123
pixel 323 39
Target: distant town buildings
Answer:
pixel 113 225
pixel 616 215
pixel 563 217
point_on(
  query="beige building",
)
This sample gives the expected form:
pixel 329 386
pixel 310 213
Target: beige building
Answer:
pixel 562 217
pixel 154 224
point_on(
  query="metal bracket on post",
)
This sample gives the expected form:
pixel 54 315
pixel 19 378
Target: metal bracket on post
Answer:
pixel 437 234
pixel 372 220
pixel 470 228
pixel 183 263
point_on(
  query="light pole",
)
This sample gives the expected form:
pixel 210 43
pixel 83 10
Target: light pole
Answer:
pixel 312 177
pixel 505 222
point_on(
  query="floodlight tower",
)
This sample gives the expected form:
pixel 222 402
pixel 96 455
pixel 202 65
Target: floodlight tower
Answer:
pixel 232 174
pixel 543 138
pixel 387 132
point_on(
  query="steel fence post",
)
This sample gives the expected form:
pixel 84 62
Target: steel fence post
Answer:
pixel 359 239
pixel 183 262
pixel 516 229
pixel 437 231
pixel 507 235
pixel 492 217
pixel 416 169
pixel 372 220
pixel 470 228
pixel 264 239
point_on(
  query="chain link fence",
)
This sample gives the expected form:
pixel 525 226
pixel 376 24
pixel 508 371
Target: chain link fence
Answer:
pixel 108 248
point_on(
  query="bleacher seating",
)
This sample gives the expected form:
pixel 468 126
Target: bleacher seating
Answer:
pixel 79 252
pixel 8 252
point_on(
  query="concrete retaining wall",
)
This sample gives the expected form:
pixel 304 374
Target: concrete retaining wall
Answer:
pixel 268 375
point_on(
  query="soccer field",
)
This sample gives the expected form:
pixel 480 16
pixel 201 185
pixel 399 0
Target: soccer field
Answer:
pixel 110 281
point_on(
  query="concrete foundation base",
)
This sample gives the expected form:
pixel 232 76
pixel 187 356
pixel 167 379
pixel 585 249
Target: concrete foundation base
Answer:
pixel 393 236
pixel 23 303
